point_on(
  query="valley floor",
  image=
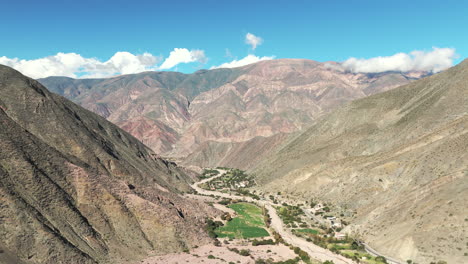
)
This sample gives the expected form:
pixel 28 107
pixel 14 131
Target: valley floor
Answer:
pixel 221 254
pixel 227 249
pixel 313 250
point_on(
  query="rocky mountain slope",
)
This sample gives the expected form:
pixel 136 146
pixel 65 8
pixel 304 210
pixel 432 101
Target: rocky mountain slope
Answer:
pixel 209 117
pixel 398 160
pixel 75 188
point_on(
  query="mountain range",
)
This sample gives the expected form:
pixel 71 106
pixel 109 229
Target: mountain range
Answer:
pixel 222 116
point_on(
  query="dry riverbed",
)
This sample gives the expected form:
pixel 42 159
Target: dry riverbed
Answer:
pixel 210 254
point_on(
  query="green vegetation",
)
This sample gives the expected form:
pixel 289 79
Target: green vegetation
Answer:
pixel 233 179
pixel 256 242
pixel 358 255
pixel 208 173
pixel 211 226
pixel 291 215
pixel 289 261
pixel 307 230
pixel 248 224
pixel 302 254
pixel 242 252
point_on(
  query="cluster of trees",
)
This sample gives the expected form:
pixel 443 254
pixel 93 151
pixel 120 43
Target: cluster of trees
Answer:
pixel 302 254
pixel 242 252
pixel 208 173
pixel 256 242
pixel 290 214
pixel 210 227
pixel 278 238
pixel 245 192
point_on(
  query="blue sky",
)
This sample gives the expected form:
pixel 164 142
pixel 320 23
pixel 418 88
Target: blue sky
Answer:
pixel 317 30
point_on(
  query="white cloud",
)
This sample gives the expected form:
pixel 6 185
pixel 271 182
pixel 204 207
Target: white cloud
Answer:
pixel 249 59
pixel 122 62
pixel 74 65
pixel 253 40
pixel 433 61
pixel 178 56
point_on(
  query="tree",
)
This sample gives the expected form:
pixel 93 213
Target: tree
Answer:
pixel 381 259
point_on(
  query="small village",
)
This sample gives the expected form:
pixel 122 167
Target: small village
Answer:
pixel 315 222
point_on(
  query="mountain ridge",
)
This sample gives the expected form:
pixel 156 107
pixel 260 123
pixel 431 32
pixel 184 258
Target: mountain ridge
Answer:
pixel 73 185
pixel 183 115
pixel 396 160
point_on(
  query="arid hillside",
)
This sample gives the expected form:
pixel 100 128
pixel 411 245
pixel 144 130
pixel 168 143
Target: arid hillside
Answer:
pixel 75 186
pixel 397 160
pixel 213 117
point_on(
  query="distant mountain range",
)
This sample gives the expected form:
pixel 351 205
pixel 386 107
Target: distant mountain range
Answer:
pixel 75 187
pixel 224 116
pixel 397 160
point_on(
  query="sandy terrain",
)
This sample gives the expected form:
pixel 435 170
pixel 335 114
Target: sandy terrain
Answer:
pixel 224 255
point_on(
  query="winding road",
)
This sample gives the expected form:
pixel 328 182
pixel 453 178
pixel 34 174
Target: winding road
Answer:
pixel 313 250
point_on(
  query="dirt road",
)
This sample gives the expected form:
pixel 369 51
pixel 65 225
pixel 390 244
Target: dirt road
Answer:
pixel 313 250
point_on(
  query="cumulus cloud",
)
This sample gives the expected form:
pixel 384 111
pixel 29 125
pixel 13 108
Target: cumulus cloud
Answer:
pixel 253 40
pixel 122 62
pixel 436 60
pixel 249 59
pixel 74 65
pixel 178 56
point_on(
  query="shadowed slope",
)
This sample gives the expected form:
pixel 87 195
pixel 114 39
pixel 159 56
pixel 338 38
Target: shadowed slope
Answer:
pixel 77 189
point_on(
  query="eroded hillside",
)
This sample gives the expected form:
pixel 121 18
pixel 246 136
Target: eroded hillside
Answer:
pixel 398 160
pixel 75 186
pixel 213 117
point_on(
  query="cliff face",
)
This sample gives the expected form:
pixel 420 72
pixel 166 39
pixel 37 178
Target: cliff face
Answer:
pixel 211 118
pixel 77 189
pixel 397 159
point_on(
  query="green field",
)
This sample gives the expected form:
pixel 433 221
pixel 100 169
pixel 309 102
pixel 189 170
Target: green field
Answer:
pixel 369 258
pixel 248 223
pixel 308 231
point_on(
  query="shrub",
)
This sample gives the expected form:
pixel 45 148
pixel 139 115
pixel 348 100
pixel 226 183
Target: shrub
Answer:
pixel 381 259
pixel 256 242
pixel 210 226
pixel 244 252
pixel 225 201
